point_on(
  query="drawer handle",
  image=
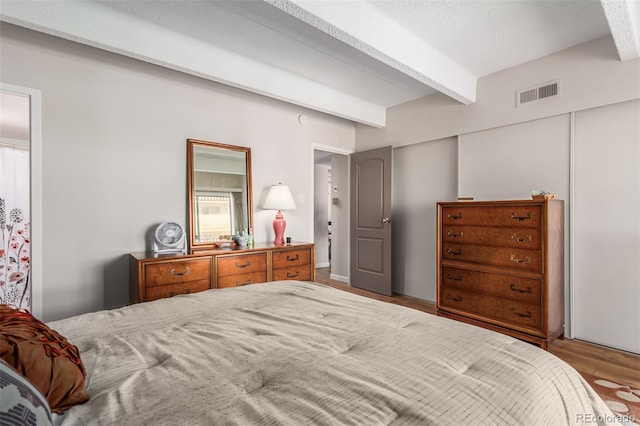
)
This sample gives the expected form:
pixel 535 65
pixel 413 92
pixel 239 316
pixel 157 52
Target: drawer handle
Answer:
pixel 526 314
pixel 452 278
pixel 454 252
pixel 454 217
pixel 293 259
pixel 514 258
pixel 524 239
pixel 246 265
pixel 239 284
pixel 519 290
pixel 454 235
pixel 173 272
pixel 520 218
pixel 455 299
pixel 186 291
pixel 290 275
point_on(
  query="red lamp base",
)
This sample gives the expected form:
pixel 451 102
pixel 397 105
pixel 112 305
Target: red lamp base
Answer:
pixel 279 225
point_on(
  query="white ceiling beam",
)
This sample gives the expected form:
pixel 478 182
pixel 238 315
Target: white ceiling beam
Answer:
pixel 623 17
pixel 363 27
pixel 96 25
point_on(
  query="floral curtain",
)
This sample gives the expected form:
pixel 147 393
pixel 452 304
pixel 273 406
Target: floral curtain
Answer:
pixel 15 252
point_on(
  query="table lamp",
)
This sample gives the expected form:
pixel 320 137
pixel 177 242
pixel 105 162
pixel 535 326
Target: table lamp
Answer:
pixel 279 198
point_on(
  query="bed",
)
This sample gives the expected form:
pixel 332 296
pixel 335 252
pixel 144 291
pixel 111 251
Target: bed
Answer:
pixel 299 353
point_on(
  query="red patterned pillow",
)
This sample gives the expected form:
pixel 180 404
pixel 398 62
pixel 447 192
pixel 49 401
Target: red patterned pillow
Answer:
pixel 43 356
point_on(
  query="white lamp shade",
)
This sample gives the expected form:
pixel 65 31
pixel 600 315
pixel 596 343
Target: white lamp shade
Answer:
pixel 279 198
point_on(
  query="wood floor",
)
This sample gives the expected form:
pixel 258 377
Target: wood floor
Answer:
pixel 601 361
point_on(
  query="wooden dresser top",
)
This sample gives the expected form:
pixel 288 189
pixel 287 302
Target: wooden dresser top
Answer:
pixel 256 247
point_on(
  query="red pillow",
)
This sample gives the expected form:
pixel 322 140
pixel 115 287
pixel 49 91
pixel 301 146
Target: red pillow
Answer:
pixel 43 356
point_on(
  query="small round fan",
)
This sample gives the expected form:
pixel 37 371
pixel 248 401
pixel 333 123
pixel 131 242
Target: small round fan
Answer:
pixel 169 238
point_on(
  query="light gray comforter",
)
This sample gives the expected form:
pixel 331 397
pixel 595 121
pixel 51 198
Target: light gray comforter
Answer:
pixel 295 353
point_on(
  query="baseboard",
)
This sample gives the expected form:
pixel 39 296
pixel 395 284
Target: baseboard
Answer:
pixel 323 265
pixel 339 278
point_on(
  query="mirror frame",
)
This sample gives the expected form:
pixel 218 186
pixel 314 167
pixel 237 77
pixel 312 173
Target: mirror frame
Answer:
pixel 191 144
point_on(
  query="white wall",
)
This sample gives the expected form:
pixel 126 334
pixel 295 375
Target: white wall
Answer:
pixel 340 218
pixel 114 136
pixel 591 75
pixel 321 214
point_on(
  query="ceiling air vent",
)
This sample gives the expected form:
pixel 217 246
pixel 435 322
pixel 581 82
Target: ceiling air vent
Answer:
pixel 532 94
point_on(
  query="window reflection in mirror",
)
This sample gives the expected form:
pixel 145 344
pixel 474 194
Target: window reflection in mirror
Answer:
pixel 219 192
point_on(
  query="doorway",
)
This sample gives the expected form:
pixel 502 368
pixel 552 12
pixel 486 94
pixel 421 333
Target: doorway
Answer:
pixel 331 211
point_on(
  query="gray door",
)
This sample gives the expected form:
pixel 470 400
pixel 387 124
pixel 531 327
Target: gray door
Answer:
pixel 371 220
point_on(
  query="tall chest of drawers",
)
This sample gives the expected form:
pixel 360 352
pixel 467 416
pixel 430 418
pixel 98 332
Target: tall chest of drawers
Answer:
pixel 154 276
pixel 501 266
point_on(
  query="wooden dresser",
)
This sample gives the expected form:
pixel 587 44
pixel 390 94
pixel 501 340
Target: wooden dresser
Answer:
pixel 501 266
pixel 156 276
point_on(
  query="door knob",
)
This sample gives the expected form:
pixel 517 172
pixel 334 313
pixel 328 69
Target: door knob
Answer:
pixel 386 220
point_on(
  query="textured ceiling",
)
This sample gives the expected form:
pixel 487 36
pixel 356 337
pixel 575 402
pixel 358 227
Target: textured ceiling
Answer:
pixel 489 36
pixel 352 59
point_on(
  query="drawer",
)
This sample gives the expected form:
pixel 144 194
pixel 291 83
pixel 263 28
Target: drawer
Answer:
pixel 525 290
pixel 517 259
pixel 521 216
pixel 492 309
pixel 241 264
pixel 160 292
pixel 175 272
pixel 289 258
pixel 242 279
pixel 301 273
pixel 493 236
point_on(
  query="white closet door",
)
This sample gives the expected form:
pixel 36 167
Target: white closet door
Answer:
pixel 509 162
pixel 423 174
pixel 607 226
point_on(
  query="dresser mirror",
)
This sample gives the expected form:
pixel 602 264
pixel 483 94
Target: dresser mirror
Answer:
pixel 219 192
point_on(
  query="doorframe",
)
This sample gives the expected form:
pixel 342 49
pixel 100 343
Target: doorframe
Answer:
pixel 333 150
pixel 35 183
